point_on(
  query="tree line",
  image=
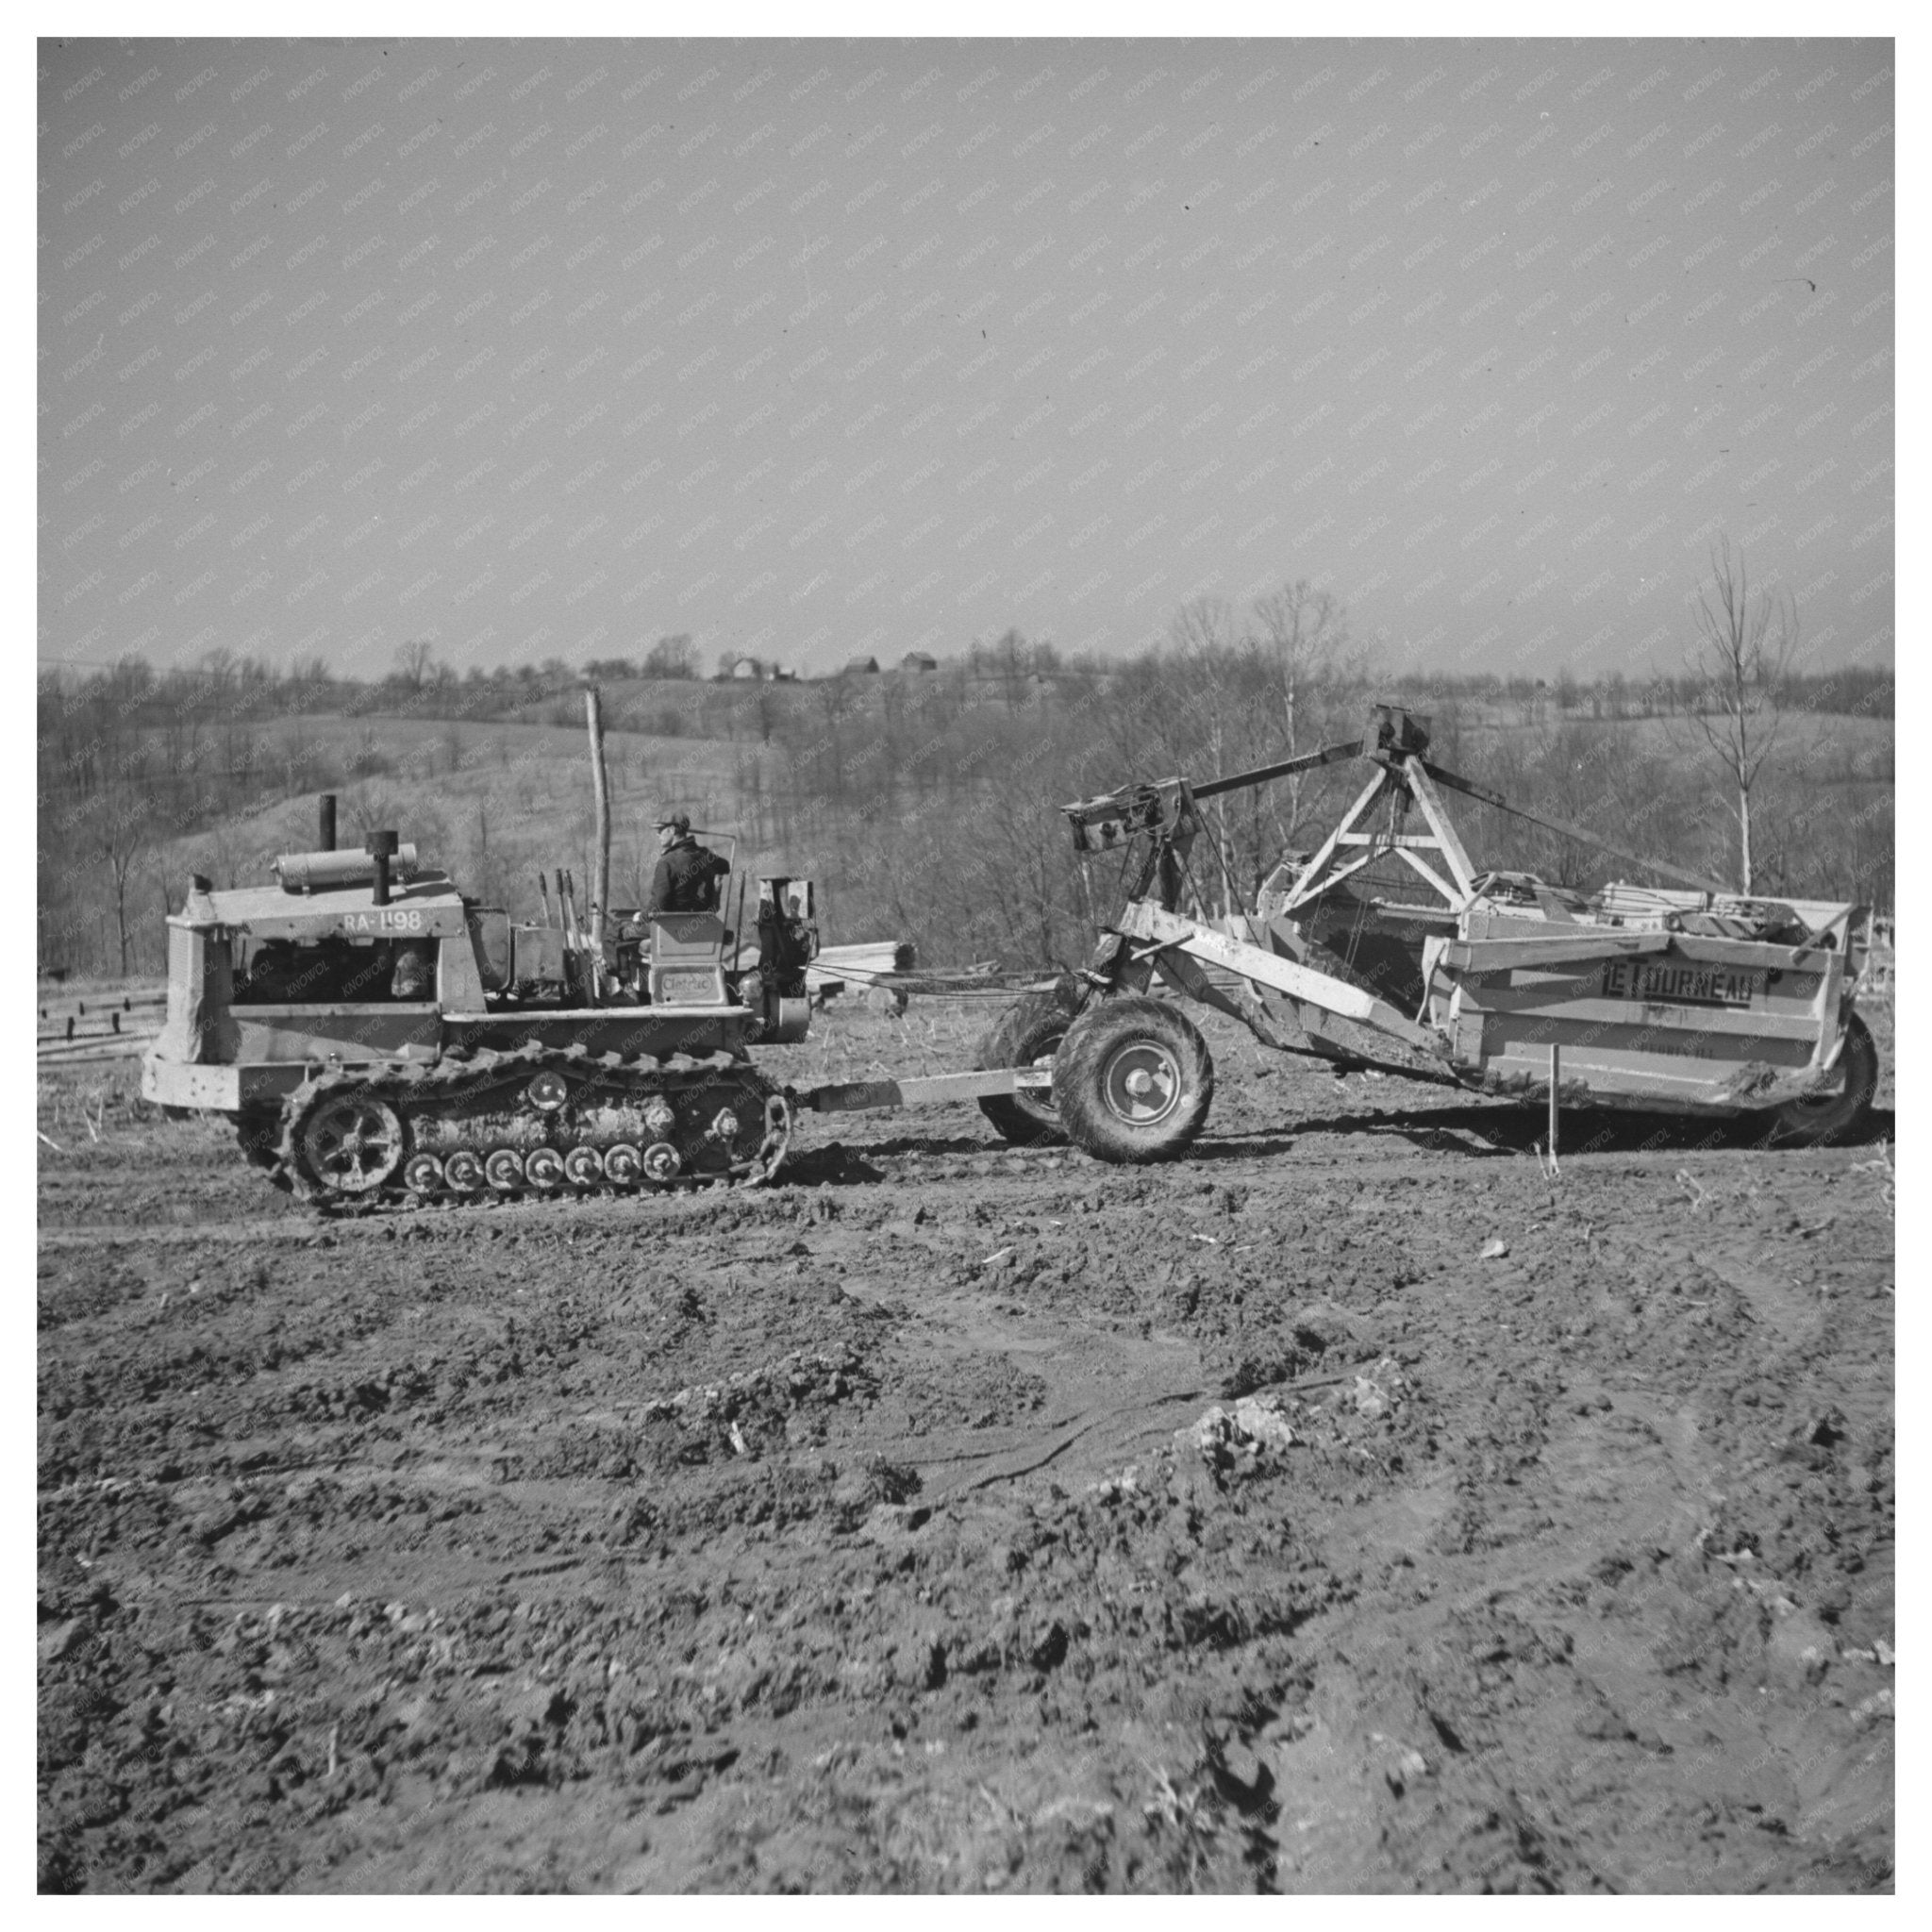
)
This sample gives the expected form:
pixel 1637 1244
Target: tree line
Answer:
pixel 938 819
pixel 926 801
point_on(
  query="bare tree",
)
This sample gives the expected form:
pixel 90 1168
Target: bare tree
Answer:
pixel 122 836
pixel 1304 631
pixel 370 806
pixel 673 657
pixel 1010 659
pixel 837 700
pixel 1202 638
pixel 1741 668
pixel 416 661
pixel 215 670
pixel 766 709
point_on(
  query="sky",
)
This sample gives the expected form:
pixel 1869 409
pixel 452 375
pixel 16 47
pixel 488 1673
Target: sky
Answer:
pixel 818 349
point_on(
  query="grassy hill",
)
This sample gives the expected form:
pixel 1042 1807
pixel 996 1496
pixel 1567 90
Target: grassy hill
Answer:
pixel 925 807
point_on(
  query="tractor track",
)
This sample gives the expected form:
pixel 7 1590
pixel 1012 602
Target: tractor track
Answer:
pixel 358 1142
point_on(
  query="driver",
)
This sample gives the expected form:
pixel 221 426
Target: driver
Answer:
pixel 687 873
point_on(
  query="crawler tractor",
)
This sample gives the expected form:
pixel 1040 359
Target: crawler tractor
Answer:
pixel 378 1035
pixel 380 1039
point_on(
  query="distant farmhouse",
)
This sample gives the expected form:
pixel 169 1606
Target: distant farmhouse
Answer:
pixel 913 661
pixel 755 670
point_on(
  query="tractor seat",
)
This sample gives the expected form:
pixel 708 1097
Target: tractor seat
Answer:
pixel 687 960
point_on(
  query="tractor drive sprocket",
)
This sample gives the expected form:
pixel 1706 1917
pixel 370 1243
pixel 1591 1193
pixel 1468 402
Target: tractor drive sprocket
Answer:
pixel 533 1120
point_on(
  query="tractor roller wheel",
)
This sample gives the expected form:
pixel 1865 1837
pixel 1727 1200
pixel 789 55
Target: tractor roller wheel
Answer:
pixel 545 1167
pixel 1027 1034
pixel 548 1091
pixel 1841 1113
pixel 422 1173
pixel 583 1167
pixel 1134 1081
pixel 463 1171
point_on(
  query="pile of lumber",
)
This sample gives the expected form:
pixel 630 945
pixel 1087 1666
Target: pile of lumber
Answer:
pixel 97 1026
pixel 865 962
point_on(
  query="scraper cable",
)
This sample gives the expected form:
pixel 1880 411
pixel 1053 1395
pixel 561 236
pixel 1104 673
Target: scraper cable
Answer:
pixel 1563 828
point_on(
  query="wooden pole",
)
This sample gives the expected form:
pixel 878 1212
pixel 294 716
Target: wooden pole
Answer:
pixel 599 882
pixel 1555 1075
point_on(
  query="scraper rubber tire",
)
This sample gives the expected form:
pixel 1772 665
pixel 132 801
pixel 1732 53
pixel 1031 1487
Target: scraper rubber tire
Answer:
pixel 1134 1081
pixel 1840 1116
pixel 1027 1034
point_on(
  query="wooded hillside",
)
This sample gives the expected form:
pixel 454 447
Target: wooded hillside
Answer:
pixel 924 801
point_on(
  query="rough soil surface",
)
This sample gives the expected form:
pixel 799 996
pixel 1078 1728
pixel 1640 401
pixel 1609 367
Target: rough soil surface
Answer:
pixel 951 1518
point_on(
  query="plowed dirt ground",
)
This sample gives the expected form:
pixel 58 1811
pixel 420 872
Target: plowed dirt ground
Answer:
pixel 946 1517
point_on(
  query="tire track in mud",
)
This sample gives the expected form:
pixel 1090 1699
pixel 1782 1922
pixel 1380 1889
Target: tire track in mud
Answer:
pixel 867 1532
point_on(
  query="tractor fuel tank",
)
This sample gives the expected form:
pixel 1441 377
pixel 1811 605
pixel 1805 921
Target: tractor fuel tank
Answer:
pixel 328 872
pixel 537 953
pixel 489 939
